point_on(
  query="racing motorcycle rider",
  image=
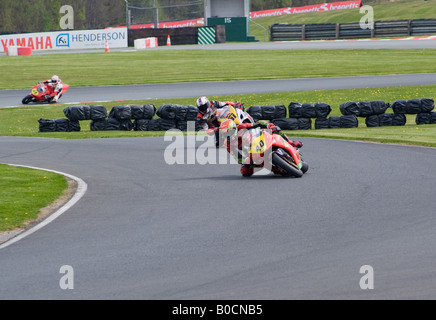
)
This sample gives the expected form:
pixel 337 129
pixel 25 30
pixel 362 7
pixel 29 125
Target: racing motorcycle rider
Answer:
pixel 206 116
pixel 55 86
pixel 235 133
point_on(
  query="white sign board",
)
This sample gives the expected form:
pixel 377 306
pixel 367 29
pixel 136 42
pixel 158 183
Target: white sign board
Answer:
pixel 64 40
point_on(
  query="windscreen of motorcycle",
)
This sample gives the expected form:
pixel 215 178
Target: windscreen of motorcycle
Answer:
pixel 41 89
pixel 236 115
pixel 227 112
pixel 244 117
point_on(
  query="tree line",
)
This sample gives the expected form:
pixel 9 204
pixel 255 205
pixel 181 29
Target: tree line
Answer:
pixel 44 15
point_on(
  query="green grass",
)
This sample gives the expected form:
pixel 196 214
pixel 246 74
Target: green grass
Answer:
pixel 398 10
pixel 23 121
pixel 126 68
pixel 24 192
pixel 422 135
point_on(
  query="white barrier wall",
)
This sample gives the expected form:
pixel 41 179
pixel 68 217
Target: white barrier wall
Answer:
pixel 142 44
pixel 64 40
pixel 19 51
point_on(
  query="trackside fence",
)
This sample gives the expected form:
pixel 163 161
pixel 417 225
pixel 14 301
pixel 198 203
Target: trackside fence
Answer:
pixel 331 31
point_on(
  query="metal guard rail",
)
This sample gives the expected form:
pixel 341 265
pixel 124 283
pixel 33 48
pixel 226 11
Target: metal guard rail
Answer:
pixel 330 31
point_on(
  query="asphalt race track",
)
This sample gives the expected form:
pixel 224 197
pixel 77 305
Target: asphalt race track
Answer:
pixel 12 98
pixel 149 230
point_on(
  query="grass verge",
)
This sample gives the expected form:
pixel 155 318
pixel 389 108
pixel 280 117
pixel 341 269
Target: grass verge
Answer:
pixel 24 192
pixel 143 67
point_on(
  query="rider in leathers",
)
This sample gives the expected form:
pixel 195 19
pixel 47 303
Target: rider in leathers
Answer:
pixel 247 169
pixel 55 86
pixel 206 116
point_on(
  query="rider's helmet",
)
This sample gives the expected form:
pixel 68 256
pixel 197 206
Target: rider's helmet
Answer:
pixel 55 79
pixel 229 128
pixel 203 105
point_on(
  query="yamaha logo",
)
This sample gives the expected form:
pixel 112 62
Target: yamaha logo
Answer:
pixel 63 40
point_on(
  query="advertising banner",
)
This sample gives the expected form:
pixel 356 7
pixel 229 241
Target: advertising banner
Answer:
pixel 311 8
pixel 340 5
pixel 64 40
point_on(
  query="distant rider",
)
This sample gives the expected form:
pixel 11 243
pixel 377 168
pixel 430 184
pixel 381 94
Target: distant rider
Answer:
pixel 55 87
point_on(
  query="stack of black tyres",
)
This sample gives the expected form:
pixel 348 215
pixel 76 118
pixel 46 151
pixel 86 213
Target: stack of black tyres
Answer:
pixel 58 125
pixel 74 114
pixel 267 112
pixel 125 118
pixel 142 115
pixel 277 115
pixel 347 120
pixel 426 118
pixel 374 113
pixel 85 112
pixel 421 107
pixel 305 112
pixel 174 116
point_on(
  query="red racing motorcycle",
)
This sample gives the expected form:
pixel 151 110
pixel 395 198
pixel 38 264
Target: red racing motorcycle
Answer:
pixel 262 149
pixel 40 93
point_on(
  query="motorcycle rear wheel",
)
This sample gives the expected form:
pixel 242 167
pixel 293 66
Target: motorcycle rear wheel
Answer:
pixel 27 99
pixel 278 161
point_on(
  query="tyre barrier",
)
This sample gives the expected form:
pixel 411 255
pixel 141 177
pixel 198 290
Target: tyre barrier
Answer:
pixel 58 125
pixel 268 112
pixel 426 118
pixel 374 112
pixel 386 119
pixel 376 116
pixel 298 116
pixel 124 118
pixel 309 110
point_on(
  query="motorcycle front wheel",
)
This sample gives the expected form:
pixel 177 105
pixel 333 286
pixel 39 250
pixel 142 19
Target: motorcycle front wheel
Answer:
pixel 305 167
pixel 27 99
pixel 278 161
